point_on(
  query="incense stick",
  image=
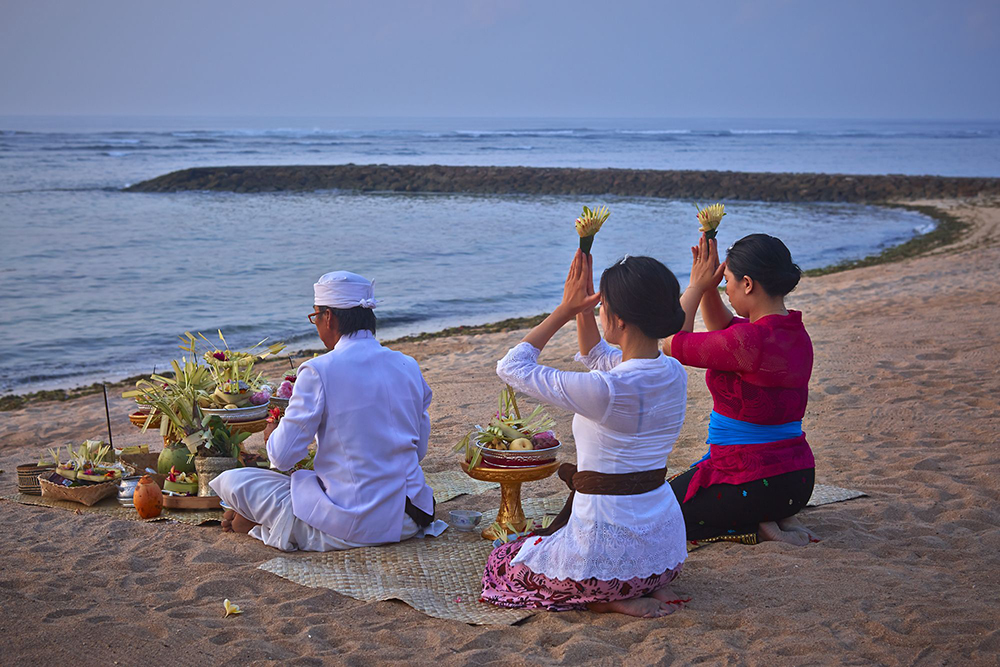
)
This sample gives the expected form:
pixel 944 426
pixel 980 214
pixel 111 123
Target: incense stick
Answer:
pixel 107 413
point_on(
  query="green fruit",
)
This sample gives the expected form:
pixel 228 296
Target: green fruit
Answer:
pixel 174 456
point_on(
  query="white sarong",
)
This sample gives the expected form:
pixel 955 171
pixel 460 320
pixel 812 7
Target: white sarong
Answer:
pixel 265 497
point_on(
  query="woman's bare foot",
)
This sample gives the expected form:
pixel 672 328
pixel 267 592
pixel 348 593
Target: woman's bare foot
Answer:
pixel 668 599
pixel 644 607
pixel 227 521
pixel 770 532
pixel 793 523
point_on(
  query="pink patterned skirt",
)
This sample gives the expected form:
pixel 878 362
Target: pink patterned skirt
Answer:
pixel 507 585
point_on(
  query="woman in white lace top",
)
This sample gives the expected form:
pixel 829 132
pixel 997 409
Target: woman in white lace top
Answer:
pixel 624 541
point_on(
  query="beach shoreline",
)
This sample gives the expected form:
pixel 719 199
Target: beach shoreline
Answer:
pixel 900 408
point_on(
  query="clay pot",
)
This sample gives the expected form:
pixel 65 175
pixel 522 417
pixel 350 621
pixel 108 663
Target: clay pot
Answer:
pixel 148 499
pixel 175 455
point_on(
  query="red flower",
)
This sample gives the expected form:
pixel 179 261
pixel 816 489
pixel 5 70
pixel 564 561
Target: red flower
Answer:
pixel 221 356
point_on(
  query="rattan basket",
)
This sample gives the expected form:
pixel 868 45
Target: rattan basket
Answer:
pixel 87 495
pixel 139 418
pixel 27 478
pixel 136 464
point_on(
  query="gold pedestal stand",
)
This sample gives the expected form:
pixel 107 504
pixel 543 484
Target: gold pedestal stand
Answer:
pixel 510 479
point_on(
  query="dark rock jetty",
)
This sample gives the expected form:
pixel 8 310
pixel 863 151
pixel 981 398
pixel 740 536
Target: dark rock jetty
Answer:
pixel 705 185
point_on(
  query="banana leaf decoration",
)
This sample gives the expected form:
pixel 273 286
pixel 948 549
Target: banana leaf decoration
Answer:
pixel 588 224
pixel 710 217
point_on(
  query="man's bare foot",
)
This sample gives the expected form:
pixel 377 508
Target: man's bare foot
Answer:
pixel 668 599
pixel 644 607
pixel 770 532
pixel 227 521
pixel 241 524
pixel 793 523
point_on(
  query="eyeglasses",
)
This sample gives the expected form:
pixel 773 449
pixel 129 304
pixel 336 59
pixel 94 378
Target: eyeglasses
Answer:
pixel 316 313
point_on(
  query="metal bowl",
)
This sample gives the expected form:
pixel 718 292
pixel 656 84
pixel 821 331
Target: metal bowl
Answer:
pixel 126 490
pixel 519 458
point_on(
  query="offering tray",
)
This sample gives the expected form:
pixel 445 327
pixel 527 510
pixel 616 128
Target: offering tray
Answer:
pixel 517 458
pixel 191 502
pixel 239 415
pixel 510 479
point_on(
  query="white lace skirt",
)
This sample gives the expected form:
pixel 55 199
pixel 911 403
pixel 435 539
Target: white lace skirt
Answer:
pixel 612 537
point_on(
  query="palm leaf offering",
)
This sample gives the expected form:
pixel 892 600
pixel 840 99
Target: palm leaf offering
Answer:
pixel 232 370
pixel 91 463
pixel 508 429
pixel 226 380
pixel 710 217
pixel 588 224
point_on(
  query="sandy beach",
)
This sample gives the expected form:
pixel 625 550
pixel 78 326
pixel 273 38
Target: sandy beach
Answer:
pixel 903 406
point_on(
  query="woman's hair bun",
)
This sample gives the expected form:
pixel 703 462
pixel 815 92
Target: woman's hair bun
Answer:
pixel 767 260
pixel 644 293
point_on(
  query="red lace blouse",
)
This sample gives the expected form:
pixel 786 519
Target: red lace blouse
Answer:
pixel 758 372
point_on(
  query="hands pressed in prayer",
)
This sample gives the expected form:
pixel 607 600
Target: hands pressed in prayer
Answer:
pixel 578 291
pixel 578 296
pixel 706 274
pixel 706 271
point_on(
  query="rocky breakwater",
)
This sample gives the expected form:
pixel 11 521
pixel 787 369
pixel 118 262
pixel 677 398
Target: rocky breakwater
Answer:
pixel 706 185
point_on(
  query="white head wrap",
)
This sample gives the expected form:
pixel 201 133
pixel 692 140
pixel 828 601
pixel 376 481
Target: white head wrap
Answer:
pixel 343 289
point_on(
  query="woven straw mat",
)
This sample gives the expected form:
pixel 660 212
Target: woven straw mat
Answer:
pixel 440 576
pixel 825 494
pixel 453 483
pixel 110 507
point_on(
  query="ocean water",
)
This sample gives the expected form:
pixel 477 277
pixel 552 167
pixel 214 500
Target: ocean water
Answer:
pixel 97 284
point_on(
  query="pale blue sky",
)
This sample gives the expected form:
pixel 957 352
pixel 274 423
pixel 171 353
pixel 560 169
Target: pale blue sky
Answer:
pixel 581 58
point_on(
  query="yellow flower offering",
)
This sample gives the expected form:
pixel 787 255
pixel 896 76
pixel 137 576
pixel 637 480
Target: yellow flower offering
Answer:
pixel 231 609
pixel 589 224
pixel 710 217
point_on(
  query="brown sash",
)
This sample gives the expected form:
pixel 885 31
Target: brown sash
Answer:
pixel 420 517
pixel 602 484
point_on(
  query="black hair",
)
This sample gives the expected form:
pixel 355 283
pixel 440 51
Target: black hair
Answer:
pixel 352 320
pixel 767 260
pixel 645 293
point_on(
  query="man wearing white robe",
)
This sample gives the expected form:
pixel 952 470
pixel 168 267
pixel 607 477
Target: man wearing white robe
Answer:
pixel 366 406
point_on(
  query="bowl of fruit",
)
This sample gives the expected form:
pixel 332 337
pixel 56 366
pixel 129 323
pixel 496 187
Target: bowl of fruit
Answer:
pixel 236 401
pixel 536 450
pixel 511 440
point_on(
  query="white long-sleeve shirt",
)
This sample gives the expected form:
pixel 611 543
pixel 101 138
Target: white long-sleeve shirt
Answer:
pixel 628 416
pixel 367 407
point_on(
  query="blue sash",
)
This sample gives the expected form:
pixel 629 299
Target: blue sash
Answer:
pixel 728 431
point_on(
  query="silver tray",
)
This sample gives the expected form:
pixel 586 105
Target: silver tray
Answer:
pixel 236 415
